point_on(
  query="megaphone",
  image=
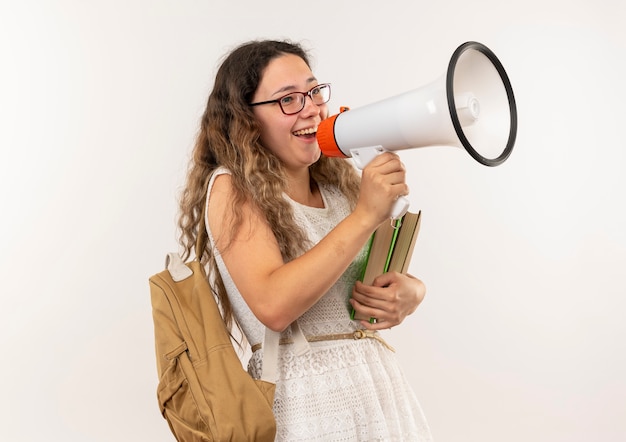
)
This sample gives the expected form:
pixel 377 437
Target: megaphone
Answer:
pixel 471 106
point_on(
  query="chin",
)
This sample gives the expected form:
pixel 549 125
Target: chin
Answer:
pixel 317 156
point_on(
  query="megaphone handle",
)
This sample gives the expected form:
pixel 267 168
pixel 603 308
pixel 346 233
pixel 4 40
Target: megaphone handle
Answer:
pixel 400 207
pixel 362 156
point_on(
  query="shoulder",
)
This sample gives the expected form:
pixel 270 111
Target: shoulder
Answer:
pixel 220 194
pixel 220 182
pixel 219 211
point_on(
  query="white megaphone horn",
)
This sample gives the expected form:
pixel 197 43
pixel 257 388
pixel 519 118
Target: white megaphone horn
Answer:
pixel 472 106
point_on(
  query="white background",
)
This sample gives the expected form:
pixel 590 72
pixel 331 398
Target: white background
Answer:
pixel 521 336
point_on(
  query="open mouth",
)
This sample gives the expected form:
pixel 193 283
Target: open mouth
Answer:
pixel 306 133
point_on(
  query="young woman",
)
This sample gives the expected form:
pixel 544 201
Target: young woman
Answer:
pixel 288 229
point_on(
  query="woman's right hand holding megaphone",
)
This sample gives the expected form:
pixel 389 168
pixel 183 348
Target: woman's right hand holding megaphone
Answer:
pixel 383 183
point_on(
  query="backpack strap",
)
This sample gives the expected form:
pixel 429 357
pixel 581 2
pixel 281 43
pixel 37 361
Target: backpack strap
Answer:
pixel 300 342
pixel 271 343
pixel 177 268
pixel 270 356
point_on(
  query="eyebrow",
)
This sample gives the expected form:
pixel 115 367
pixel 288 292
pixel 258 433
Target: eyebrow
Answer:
pixel 290 87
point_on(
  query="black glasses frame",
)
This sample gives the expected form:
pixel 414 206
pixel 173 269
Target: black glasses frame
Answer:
pixel 304 94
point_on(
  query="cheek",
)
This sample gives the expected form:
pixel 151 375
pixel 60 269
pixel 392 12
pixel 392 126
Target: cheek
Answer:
pixel 275 134
pixel 275 128
pixel 265 128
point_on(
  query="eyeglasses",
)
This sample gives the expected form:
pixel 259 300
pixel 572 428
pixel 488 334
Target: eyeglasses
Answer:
pixel 294 102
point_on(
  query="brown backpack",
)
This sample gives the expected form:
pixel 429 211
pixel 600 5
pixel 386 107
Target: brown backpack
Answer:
pixel 203 391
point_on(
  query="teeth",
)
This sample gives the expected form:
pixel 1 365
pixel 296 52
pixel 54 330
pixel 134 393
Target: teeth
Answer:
pixel 308 131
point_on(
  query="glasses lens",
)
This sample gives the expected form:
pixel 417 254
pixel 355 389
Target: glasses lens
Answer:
pixel 320 94
pixel 292 103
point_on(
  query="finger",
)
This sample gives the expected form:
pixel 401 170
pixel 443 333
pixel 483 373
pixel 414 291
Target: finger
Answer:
pixel 392 165
pixel 378 325
pixel 400 189
pixel 385 280
pixel 386 162
pixel 369 311
pixel 370 296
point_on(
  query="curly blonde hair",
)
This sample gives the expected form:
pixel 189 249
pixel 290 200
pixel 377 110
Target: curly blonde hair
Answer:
pixel 229 136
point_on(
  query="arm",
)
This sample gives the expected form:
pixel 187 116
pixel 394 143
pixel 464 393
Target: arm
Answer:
pixel 390 299
pixel 278 292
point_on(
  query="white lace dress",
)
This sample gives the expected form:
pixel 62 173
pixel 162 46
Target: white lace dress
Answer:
pixel 341 390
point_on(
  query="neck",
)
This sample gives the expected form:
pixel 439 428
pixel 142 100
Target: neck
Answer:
pixel 304 190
